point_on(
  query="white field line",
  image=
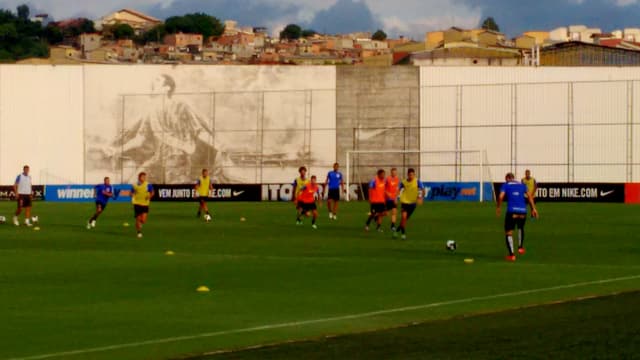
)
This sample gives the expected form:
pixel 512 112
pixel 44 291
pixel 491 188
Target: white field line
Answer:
pixel 323 320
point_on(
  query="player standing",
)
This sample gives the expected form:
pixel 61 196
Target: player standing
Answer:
pixel 335 183
pixel 141 198
pixel 411 195
pixel 392 188
pixel 299 183
pixel 517 196
pixel 377 188
pixel 23 190
pixel 104 192
pixel 203 187
pixel 307 205
pixel 531 183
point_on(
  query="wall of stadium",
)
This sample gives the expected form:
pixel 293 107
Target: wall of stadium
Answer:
pixel 566 124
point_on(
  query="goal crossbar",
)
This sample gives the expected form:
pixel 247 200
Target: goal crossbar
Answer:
pixel 373 152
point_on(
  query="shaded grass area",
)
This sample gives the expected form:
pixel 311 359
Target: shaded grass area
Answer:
pixel 594 328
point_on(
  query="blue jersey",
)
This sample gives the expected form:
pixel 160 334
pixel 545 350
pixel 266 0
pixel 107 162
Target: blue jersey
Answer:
pixel 100 189
pixel 335 180
pixel 515 196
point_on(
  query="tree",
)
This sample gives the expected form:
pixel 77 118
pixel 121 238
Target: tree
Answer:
pixel 196 23
pixel 156 34
pixel 379 35
pixel 308 33
pixel 53 34
pixel 23 12
pixel 122 31
pixel 291 32
pixel 490 24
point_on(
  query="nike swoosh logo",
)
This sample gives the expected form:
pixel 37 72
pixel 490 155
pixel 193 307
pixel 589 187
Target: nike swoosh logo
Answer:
pixel 237 193
pixel 603 194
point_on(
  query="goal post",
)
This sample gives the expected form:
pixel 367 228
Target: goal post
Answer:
pixel 445 166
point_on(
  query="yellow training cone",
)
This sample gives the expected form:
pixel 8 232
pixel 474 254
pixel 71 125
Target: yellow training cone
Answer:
pixel 469 261
pixel 169 253
pixel 203 289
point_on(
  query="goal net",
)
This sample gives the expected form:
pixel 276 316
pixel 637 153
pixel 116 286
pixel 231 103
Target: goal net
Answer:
pixel 432 167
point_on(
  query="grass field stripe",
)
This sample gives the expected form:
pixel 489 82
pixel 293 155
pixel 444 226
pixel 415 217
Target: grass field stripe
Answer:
pixel 323 320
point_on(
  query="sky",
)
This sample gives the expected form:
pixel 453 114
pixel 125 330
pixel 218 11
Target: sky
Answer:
pixel 411 18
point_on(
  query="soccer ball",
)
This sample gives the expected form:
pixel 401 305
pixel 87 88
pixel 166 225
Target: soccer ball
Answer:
pixel 451 245
pixel 207 218
pixel 3 220
pixel 34 219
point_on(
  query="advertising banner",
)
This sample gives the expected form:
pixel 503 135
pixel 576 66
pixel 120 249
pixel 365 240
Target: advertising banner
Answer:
pixel 83 193
pixel 7 194
pixel 456 191
pixel 219 193
pixel 578 192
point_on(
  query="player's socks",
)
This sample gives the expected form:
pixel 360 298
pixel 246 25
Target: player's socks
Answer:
pixel 402 230
pixel 521 238
pixel 370 219
pixel 509 241
pixel 393 227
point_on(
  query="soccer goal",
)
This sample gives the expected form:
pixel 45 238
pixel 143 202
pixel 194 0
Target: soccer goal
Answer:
pixel 447 166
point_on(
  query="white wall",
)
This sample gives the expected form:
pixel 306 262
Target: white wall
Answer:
pixel 566 124
pixel 41 123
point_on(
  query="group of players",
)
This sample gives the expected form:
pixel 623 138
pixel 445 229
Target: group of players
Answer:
pixel 384 194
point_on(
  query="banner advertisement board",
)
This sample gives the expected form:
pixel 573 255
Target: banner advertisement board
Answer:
pixel 578 192
pixel 220 192
pixel 7 194
pixel 83 193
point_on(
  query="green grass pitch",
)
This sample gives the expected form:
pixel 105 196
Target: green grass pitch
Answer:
pixel 70 293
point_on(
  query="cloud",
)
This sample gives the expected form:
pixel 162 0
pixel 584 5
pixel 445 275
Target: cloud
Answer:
pixel 345 16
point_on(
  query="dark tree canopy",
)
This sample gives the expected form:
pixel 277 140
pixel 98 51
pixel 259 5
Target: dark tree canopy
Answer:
pixel 23 12
pixel 490 24
pixel 291 32
pixel 379 35
pixel 20 38
pixel 122 31
pixel 308 33
pixel 156 34
pixel 196 23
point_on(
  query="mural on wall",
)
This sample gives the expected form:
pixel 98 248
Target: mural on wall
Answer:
pixel 246 125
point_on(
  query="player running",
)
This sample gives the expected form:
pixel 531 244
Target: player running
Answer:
pixel 203 187
pixel 300 182
pixel 517 196
pixel 141 198
pixel 377 188
pixel 104 192
pixel 531 183
pixel 335 183
pixel 411 195
pixel 392 188
pixel 23 190
pixel 307 206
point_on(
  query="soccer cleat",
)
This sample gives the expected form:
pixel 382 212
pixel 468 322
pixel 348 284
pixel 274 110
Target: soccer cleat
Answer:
pixel 15 221
pixel 380 231
pixel 335 217
pixel 139 235
pixel 404 237
pixel 314 227
pixel 88 225
pixel 522 251
pixel 511 258
pixel 93 224
pixel 298 222
pixel 28 223
pixel 366 228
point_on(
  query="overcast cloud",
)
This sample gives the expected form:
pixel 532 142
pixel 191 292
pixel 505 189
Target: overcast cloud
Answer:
pixel 398 17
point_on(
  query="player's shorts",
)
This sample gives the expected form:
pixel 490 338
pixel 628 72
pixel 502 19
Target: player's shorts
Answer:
pixel 511 221
pixel 334 194
pixel 378 208
pixel 307 207
pixel 409 209
pixel 203 199
pixel 391 205
pixel 24 201
pixel 140 210
pixel 101 204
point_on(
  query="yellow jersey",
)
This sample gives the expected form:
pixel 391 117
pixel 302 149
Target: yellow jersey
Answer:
pixel 300 183
pixel 204 184
pixel 141 194
pixel 410 191
pixel 531 185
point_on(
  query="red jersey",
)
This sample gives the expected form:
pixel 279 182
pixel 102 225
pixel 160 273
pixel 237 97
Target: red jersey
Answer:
pixel 392 187
pixel 376 191
pixel 307 195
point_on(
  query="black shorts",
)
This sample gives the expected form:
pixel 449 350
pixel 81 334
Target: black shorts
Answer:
pixel 102 205
pixel 140 210
pixel 203 199
pixel 378 208
pixel 409 209
pixel 391 205
pixel 511 221
pixel 307 207
pixel 334 194
pixel 24 201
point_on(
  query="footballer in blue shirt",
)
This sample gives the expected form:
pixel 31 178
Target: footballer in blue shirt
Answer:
pixel 517 197
pixel 104 192
pixel 335 184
